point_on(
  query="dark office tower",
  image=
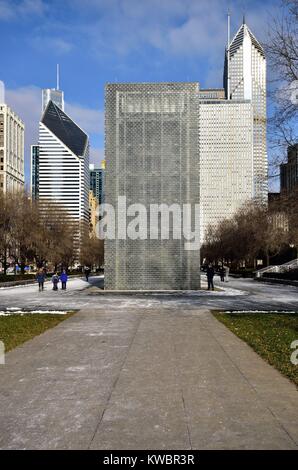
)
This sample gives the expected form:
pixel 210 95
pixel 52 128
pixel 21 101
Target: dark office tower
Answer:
pixel 151 151
pixel 289 171
pixel 97 182
pixel 34 171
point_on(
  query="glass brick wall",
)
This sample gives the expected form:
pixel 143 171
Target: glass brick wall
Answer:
pixel 151 158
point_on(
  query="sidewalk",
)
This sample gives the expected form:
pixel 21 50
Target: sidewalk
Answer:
pixel 154 379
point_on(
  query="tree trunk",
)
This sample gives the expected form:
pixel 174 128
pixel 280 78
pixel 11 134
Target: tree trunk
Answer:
pixel 5 265
pixel 267 258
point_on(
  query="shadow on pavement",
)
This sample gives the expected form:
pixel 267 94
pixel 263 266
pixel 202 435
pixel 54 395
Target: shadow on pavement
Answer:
pixel 97 281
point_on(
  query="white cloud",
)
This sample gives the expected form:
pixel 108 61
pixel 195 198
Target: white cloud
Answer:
pixel 10 10
pixel 90 120
pixel 56 44
pixel 194 28
pixel 6 12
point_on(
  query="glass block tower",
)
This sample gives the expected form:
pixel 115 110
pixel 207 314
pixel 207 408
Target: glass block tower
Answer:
pixel 245 79
pixel 151 153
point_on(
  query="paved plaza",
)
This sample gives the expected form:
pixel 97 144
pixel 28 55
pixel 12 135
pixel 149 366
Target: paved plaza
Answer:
pixel 152 372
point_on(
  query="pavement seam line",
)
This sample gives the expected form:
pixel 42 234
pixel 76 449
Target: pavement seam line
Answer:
pixel 116 380
pixel 247 380
pixel 182 395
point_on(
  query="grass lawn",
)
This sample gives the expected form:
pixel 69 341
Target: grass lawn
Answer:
pixel 269 334
pixel 16 329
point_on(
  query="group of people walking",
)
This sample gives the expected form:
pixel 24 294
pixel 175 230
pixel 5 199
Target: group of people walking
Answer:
pixel 41 277
pixel 223 274
pixel 56 278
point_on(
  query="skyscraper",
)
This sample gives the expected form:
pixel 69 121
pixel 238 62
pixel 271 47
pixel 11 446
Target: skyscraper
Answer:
pixel 245 79
pixel 11 147
pixel 34 171
pixel 226 159
pixel 289 171
pixel 63 164
pixel 97 182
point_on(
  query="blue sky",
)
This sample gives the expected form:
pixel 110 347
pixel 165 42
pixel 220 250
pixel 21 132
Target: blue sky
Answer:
pixel 99 41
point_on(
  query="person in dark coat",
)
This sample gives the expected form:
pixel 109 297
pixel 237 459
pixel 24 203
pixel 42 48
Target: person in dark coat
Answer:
pixel 40 277
pixel 222 273
pixel 55 280
pixel 87 272
pixel 210 276
pixel 63 279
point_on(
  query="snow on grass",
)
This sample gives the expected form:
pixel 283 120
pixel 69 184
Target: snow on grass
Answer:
pixel 260 311
pixel 16 311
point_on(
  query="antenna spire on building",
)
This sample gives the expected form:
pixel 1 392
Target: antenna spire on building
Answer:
pixel 228 56
pixel 57 87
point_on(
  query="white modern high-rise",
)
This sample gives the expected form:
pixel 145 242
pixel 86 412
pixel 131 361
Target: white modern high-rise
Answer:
pixel 226 159
pixel 63 164
pixel 245 79
pixel 11 147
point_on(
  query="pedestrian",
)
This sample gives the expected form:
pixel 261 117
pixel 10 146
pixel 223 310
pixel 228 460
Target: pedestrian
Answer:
pixel 222 273
pixel 40 277
pixel 227 270
pixel 63 279
pixel 55 280
pixel 87 272
pixel 210 276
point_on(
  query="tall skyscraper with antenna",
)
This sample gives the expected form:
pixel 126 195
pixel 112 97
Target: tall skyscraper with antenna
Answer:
pixel 53 94
pixel 245 79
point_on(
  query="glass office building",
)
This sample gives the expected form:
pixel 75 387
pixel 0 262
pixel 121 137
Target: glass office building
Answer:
pixel 97 183
pixel 34 171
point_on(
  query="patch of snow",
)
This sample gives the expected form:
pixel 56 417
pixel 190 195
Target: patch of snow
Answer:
pixel 260 311
pixel 9 312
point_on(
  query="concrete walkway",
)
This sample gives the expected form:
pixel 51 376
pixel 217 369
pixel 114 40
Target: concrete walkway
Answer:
pixel 151 379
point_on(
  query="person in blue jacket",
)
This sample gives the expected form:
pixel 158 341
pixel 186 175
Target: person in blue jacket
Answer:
pixel 63 279
pixel 40 277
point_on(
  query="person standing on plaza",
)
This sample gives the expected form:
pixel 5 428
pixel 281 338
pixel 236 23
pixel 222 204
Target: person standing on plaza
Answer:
pixel 63 279
pixel 87 272
pixel 210 276
pixel 222 273
pixel 40 277
pixel 55 280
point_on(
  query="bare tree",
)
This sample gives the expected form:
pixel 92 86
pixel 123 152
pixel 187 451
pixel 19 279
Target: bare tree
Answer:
pixel 251 232
pixel 6 235
pixel 92 252
pixel 282 51
pixel 34 232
